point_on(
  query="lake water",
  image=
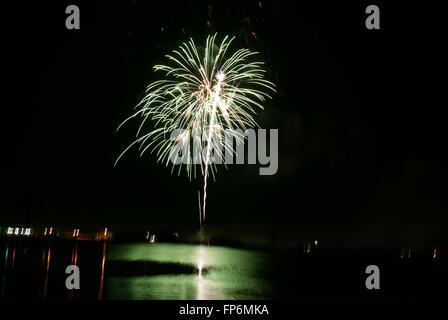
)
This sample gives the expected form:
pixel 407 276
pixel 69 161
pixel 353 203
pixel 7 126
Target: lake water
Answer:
pixel 35 269
pixel 193 272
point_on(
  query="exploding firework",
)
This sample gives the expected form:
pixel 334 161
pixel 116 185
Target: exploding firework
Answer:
pixel 206 96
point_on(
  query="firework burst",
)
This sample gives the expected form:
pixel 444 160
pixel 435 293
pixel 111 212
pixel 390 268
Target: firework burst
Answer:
pixel 205 96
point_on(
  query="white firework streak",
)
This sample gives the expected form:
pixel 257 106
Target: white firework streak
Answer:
pixel 206 94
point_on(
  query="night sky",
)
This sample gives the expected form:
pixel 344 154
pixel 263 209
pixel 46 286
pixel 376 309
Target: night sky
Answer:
pixel 361 122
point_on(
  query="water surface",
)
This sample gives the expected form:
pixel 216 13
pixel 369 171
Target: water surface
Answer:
pixel 192 272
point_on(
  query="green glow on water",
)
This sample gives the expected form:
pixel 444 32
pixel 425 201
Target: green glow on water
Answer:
pixel 232 273
pixel 4 271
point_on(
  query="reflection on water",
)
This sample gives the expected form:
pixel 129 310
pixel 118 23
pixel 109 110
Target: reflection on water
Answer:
pixel 74 259
pixel 218 273
pixel 13 258
pixel 36 269
pixel 203 284
pixel 200 264
pixel 5 265
pixel 103 262
pixel 44 293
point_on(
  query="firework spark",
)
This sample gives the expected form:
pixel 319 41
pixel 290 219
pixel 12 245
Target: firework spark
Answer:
pixel 204 94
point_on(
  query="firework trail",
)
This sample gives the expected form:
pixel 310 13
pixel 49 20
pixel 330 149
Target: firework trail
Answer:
pixel 205 96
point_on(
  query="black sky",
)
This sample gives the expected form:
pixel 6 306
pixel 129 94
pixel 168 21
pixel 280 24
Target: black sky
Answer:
pixel 362 133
